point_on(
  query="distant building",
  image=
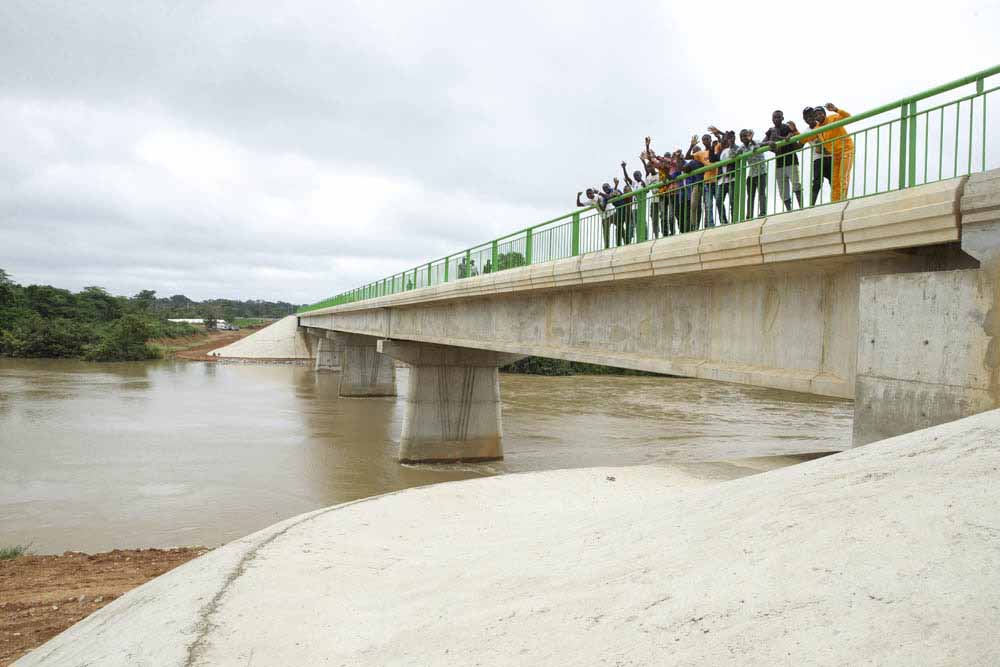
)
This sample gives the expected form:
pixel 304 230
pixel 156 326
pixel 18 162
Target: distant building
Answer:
pixel 219 324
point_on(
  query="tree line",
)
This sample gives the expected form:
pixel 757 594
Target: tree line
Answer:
pixel 180 306
pixel 43 321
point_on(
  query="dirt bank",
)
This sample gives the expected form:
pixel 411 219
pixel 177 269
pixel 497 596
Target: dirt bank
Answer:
pixel 40 596
pixel 196 348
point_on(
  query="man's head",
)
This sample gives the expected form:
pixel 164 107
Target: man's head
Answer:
pixel 819 115
pixel 706 141
pixel 637 175
pixel 606 188
pixel 745 136
pixel 590 193
pixel 809 117
pixel 777 117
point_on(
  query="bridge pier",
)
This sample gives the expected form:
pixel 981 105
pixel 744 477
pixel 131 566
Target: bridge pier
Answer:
pixel 327 354
pixel 453 410
pixel 364 371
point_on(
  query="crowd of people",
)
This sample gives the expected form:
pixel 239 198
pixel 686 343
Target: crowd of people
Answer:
pixel 681 200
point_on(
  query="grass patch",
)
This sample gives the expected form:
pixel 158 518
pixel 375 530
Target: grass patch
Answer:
pixel 247 322
pixel 9 553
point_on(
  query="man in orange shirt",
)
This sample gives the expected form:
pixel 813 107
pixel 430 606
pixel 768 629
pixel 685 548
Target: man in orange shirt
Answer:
pixel 838 145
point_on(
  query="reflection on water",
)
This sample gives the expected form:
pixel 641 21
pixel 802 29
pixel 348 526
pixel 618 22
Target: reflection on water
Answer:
pixel 94 456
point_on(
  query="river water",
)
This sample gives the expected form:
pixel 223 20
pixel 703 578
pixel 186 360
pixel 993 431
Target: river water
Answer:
pixel 97 456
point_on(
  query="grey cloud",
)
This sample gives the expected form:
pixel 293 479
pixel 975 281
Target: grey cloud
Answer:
pixel 488 117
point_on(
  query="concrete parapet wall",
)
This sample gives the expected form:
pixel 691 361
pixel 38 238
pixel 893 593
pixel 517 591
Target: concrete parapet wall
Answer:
pixel 924 215
pixel 731 246
pixel 676 254
pixel 806 234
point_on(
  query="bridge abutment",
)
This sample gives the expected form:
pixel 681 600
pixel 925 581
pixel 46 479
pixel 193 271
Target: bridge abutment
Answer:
pixel 928 346
pixel 453 409
pixel 364 371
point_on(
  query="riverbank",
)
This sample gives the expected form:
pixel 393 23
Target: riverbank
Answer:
pixel 40 596
pixel 196 348
pixel 883 554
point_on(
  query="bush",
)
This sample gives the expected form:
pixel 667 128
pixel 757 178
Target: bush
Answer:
pixel 546 366
pixel 166 329
pixel 125 341
pixel 9 553
pixel 36 337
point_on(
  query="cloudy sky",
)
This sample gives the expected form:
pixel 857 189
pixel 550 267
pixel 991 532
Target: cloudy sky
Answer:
pixel 291 150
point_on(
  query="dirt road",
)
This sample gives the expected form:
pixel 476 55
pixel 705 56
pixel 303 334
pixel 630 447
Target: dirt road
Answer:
pixel 40 596
pixel 196 348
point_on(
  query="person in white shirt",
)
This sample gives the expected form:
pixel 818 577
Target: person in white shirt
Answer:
pixel 603 206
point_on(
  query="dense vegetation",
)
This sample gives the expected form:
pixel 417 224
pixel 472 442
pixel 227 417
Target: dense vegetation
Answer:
pixel 179 306
pixel 546 366
pixel 45 321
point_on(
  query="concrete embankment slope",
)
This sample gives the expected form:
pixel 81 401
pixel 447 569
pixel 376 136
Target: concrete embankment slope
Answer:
pixel 281 340
pixel 884 554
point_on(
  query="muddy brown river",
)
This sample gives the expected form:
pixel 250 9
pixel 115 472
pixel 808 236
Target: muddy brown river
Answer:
pixel 97 456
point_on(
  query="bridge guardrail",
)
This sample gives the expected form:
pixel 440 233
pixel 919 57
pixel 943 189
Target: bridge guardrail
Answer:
pixel 903 147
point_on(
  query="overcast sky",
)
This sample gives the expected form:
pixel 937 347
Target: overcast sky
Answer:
pixel 291 150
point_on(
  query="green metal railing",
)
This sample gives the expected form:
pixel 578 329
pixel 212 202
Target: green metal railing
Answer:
pixel 903 147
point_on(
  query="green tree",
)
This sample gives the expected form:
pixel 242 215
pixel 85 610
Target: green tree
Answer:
pixel 509 260
pixel 145 300
pixel 8 289
pixel 96 305
pixel 35 336
pixel 125 341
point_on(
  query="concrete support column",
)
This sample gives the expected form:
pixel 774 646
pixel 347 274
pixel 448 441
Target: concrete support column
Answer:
pixel 363 370
pixel 327 354
pixel 453 403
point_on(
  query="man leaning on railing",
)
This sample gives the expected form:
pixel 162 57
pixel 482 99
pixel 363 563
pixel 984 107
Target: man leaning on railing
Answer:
pixel 840 146
pixel 601 203
pixel 786 163
pixel 822 166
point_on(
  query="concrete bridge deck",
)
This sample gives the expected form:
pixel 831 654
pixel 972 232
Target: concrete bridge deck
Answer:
pixel 888 300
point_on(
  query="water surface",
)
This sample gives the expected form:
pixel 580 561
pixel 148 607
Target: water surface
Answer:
pixel 96 456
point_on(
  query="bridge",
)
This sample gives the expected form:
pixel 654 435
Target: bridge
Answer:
pixel 886 294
